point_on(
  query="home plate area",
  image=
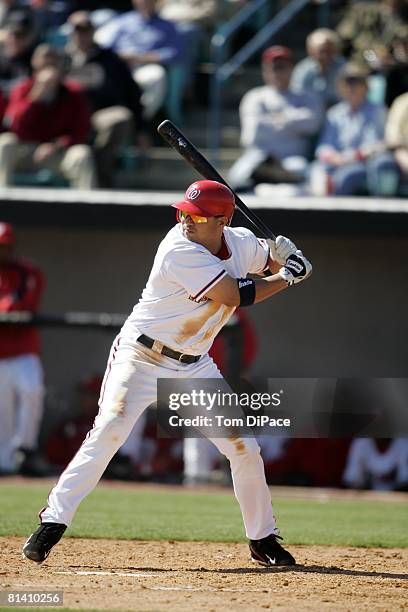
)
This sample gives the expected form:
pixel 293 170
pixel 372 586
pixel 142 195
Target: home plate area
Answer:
pixel 170 575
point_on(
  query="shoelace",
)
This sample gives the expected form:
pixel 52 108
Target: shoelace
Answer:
pixel 274 538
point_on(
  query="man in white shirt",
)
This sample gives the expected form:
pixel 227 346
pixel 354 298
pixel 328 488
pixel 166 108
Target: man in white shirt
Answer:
pixel 276 124
pixel 197 281
pixel 149 45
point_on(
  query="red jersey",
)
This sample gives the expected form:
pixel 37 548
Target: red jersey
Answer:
pixel 65 120
pixel 21 288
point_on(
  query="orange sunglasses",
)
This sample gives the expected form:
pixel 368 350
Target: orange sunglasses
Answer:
pixel 182 215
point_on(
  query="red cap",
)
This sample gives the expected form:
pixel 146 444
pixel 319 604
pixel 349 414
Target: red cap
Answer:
pixel 6 233
pixel 208 199
pixel 277 52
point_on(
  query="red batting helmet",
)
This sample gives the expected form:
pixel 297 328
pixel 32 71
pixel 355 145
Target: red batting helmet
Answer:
pixel 6 233
pixel 208 199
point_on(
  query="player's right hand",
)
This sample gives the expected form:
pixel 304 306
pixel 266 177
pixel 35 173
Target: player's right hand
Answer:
pixel 296 269
pixel 281 248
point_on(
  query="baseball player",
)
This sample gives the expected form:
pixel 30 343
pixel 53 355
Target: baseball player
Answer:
pixel 199 277
pixel 21 376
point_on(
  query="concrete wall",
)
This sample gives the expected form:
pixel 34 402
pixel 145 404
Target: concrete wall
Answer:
pixel 350 319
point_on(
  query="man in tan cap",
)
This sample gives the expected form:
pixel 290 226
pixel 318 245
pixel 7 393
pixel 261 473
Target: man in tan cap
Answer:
pixel 351 149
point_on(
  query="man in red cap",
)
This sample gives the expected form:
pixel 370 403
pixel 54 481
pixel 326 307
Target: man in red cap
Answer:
pixel 21 378
pixel 199 277
pixel 277 125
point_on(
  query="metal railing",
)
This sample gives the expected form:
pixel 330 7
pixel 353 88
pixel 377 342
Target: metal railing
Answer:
pixel 223 70
pixel 89 320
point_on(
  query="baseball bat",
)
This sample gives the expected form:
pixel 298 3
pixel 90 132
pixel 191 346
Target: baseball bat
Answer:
pixel 176 139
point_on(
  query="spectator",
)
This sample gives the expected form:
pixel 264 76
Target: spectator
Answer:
pixel 21 376
pixel 149 44
pixel 194 20
pixel 276 126
pixel 380 464
pixel 351 150
pixel 318 72
pixel 397 73
pixel 49 122
pixel 367 30
pixel 113 94
pixel 396 134
pixel 17 43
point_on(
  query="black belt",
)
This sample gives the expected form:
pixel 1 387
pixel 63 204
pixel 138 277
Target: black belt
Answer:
pixel 168 352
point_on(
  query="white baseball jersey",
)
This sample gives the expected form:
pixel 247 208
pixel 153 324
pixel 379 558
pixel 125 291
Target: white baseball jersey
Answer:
pixel 173 308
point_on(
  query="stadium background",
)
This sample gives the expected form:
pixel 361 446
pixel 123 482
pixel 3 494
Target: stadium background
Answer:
pixel 350 319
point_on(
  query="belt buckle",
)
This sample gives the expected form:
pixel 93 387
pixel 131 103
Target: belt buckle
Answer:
pixel 157 346
pixel 180 359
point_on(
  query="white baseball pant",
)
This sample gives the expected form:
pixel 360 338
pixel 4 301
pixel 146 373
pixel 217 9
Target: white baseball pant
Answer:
pixel 129 386
pixel 22 393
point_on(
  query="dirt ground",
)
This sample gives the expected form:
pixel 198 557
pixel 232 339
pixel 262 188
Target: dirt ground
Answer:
pixel 189 576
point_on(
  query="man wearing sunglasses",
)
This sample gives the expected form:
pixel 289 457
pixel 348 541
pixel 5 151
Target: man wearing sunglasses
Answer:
pixel 198 278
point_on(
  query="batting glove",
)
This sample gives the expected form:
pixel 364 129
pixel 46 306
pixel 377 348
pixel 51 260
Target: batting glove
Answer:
pixel 281 249
pixel 296 269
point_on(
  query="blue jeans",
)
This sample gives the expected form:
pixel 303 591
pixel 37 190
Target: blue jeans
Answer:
pixel 378 175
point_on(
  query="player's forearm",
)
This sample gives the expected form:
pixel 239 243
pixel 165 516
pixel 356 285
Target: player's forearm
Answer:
pixel 265 288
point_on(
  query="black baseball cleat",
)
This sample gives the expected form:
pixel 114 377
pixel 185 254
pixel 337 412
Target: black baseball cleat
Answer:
pixel 268 552
pixel 38 546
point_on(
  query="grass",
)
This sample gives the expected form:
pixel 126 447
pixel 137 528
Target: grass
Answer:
pixel 166 514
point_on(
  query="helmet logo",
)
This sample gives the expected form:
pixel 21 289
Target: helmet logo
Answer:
pixel 193 193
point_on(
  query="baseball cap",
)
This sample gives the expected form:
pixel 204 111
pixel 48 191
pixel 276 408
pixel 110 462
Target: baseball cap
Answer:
pixel 276 52
pixel 6 233
pixel 207 199
pixel 353 72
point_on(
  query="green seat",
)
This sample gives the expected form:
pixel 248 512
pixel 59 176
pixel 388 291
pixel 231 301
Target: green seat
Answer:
pixel 41 178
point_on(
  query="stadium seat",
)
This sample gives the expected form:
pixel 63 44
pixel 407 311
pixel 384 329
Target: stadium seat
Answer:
pixel 42 178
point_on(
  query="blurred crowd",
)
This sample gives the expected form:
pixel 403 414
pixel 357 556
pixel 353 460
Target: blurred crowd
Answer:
pixel 79 83
pixel 336 121
pixel 38 439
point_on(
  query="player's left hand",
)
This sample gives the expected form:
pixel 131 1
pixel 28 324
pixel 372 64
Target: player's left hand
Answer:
pixel 281 249
pixel 296 269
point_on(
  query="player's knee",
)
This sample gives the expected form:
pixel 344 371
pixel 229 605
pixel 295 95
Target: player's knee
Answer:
pixel 112 428
pixel 247 465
